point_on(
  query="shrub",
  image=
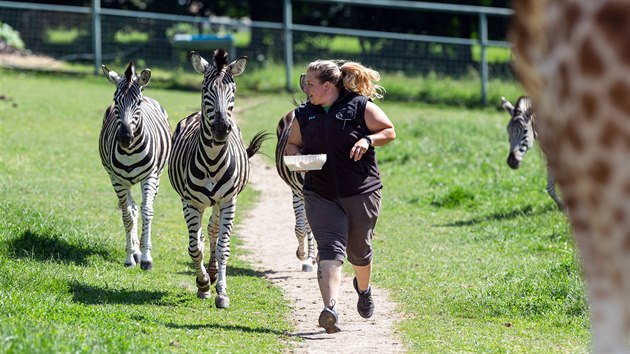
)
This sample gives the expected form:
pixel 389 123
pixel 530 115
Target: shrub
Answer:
pixel 10 36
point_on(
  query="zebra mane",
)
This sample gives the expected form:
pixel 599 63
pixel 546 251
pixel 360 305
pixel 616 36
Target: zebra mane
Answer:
pixel 130 73
pixel 523 106
pixel 220 58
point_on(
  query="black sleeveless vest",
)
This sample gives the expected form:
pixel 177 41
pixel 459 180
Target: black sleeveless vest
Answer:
pixel 334 133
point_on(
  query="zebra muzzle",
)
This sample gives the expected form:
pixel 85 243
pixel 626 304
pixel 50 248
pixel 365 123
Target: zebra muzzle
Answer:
pixel 220 130
pixel 124 136
pixel 513 162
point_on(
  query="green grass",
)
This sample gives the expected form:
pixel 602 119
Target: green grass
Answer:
pixel 475 253
pixel 63 286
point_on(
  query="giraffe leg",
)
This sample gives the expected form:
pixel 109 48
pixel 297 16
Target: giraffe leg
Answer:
pixel 193 218
pixel 149 191
pixel 129 211
pixel 608 287
pixel 227 213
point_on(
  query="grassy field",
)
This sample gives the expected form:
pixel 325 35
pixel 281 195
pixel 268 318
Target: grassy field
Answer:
pixel 475 253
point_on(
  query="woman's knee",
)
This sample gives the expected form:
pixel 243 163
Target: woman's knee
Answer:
pixel 362 259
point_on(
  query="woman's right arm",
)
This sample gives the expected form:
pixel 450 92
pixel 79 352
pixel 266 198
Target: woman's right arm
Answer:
pixel 294 144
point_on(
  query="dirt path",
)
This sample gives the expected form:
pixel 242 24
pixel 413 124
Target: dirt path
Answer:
pixel 267 231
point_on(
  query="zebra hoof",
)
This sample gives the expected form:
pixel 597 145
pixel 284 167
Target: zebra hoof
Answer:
pixel 222 302
pixel 300 255
pixel 203 287
pixel 130 265
pixel 204 294
pixel 306 267
pixel 146 265
pixel 136 257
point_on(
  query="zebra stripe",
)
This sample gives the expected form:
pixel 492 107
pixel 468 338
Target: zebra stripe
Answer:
pixel 209 167
pixel 134 145
pixel 295 181
pixel 521 133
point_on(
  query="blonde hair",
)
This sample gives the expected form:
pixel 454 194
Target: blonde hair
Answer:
pixel 349 74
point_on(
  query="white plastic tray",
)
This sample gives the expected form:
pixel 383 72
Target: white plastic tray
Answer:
pixel 305 162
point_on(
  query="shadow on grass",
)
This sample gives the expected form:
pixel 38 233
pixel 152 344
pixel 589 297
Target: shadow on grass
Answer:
pixel 95 295
pixel 192 327
pixel 52 246
pixel 526 210
pixel 232 271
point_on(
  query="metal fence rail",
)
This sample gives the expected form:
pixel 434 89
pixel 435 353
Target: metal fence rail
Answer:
pixel 96 29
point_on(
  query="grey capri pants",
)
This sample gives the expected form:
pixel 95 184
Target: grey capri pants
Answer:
pixel 343 225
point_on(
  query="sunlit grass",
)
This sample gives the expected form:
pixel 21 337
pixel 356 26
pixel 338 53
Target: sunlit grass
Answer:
pixel 63 286
pixel 475 253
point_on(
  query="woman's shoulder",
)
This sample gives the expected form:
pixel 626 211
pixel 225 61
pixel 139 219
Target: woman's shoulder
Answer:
pixel 353 98
pixel 303 108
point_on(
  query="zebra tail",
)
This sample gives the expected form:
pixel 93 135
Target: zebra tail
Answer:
pixel 256 143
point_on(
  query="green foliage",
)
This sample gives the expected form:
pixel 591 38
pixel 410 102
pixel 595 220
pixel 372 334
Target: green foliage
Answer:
pixel 63 35
pixel 10 36
pixel 128 35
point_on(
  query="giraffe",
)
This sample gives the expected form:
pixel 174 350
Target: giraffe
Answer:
pixel 573 57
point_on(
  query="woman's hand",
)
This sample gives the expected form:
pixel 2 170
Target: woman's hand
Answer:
pixel 360 147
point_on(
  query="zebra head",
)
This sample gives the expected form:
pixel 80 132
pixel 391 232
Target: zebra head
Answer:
pixel 520 129
pixel 127 99
pixel 218 91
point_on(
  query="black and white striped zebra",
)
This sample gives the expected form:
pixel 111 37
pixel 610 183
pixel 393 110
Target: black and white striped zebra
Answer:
pixel 209 167
pixel 134 144
pixel 521 131
pixel 295 181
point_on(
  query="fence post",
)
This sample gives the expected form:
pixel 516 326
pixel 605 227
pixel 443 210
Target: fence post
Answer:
pixel 96 33
pixel 483 36
pixel 288 42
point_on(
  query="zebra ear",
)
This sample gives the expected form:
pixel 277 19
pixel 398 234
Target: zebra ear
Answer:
pixel 111 75
pixel 507 105
pixel 238 66
pixel 145 77
pixel 200 64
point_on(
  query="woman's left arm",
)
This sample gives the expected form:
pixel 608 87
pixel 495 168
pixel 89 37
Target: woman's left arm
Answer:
pixel 381 128
pixel 381 131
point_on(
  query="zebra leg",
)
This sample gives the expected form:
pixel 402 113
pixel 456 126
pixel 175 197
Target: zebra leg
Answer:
pixel 149 190
pixel 213 234
pixel 311 260
pixel 551 189
pixel 193 218
pixel 223 251
pixel 303 232
pixel 300 224
pixel 129 211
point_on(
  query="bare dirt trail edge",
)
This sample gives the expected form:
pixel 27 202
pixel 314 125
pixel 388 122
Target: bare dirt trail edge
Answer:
pixel 267 232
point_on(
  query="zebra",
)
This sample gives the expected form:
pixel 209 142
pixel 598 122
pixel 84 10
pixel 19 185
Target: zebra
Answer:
pixel 521 131
pixel 295 181
pixel 134 145
pixel 209 167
